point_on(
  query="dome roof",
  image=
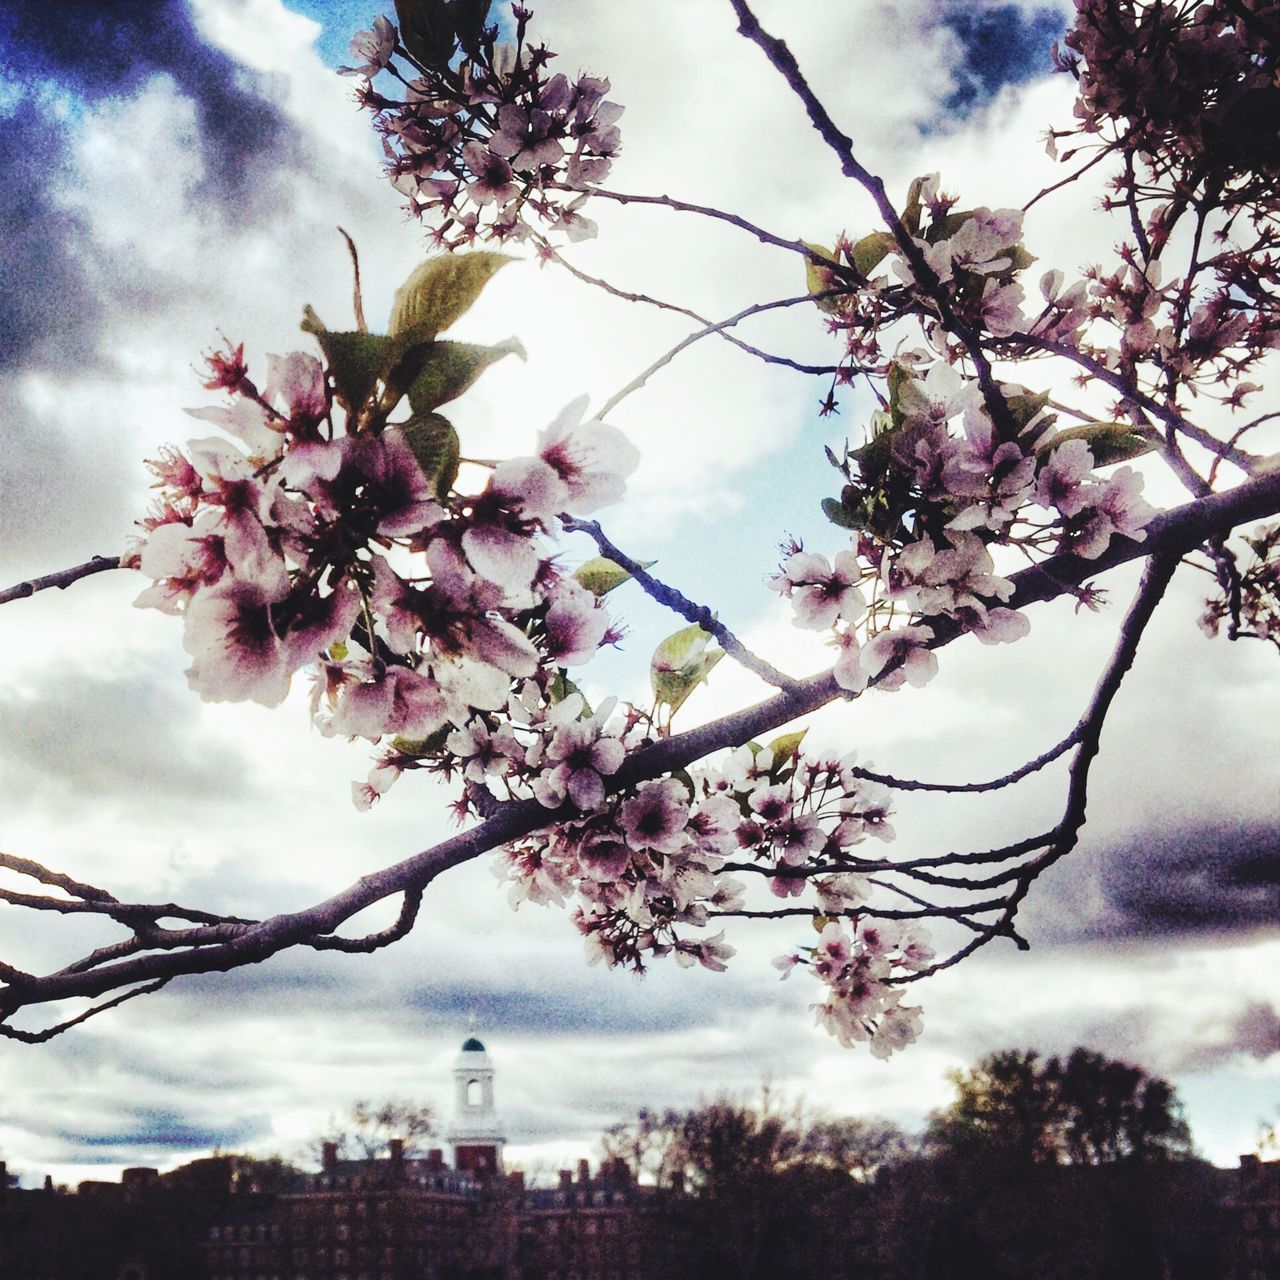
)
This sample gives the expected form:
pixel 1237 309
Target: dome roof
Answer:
pixel 472 1045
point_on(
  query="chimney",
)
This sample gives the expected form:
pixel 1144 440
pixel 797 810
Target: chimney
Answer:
pixel 395 1149
pixel 329 1158
pixel 566 1180
pixel 584 1173
pixel 435 1158
pixel 515 1180
pixel 677 1182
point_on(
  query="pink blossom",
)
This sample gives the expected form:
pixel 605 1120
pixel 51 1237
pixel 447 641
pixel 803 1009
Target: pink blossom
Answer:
pixel 916 664
pixel 592 458
pixel 576 623
pixel 232 633
pixel 656 816
pixel 579 758
pixel 372 49
pixel 397 700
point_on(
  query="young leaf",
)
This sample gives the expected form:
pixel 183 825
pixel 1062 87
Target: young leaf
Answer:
pixel 426 30
pixel 601 575
pixel 839 514
pixel 1109 442
pixel 681 663
pixel 435 445
pixel 786 747
pixel 433 745
pixel 444 370
pixel 441 290
pixel 819 278
pixel 870 251
pixel 356 360
pixel 913 208
pixel 562 687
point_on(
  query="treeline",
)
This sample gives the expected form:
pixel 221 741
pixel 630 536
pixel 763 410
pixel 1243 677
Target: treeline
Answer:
pixel 1079 1168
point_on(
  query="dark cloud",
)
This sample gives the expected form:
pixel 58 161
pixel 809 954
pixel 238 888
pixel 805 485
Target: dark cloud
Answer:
pixel 589 1001
pixel 1212 879
pixel 56 288
pixel 1254 1033
pixel 146 1129
pixel 95 737
pixel 49 305
pixel 111 48
pixel 999 45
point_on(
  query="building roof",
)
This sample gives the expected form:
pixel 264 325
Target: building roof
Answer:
pixel 472 1045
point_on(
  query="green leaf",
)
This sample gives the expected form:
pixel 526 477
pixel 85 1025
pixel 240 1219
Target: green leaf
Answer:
pixel 819 278
pixel 1024 404
pixel 356 360
pixel 786 747
pixel 562 687
pixel 948 225
pixel 469 17
pixel 839 514
pixel 433 745
pixel 435 445
pixel 1021 258
pixel 870 251
pixel 426 30
pixel 1109 442
pixel 911 212
pixel 441 290
pixel 681 663
pixel 437 372
pixel 602 575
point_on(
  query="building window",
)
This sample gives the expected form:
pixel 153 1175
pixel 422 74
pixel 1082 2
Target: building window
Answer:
pixel 475 1093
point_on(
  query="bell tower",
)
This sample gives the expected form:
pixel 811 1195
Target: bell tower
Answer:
pixel 475 1132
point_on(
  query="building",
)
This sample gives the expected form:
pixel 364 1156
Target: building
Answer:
pixel 1255 1208
pixel 398 1218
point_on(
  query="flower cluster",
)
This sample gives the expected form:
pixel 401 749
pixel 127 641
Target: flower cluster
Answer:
pixel 862 1003
pixel 476 145
pixel 933 490
pixel 342 542
pixel 653 868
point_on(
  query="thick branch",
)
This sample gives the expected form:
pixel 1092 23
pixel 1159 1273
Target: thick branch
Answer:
pixel 1169 536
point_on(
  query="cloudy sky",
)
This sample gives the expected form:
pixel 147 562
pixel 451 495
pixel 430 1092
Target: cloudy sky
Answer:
pixel 170 171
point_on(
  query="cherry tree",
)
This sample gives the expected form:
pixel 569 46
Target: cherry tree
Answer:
pixel 337 530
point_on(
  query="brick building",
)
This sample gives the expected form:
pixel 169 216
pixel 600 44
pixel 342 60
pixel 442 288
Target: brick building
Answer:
pixel 422 1219
pixel 1255 1208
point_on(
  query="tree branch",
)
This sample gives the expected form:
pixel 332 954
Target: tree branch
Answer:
pixel 62 579
pixel 685 607
pixel 231 945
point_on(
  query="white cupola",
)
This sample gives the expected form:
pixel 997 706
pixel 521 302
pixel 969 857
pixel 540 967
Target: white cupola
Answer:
pixel 475 1133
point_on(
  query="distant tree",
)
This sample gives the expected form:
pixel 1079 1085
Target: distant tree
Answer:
pixel 366 1130
pixel 270 1175
pixel 769 1190
pixel 1074 1168
pixel 1084 1109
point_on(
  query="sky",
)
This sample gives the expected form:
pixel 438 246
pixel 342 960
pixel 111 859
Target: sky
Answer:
pixel 171 172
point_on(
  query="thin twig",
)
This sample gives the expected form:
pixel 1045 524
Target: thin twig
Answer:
pixel 636 383
pixel 357 300
pixel 62 579
pixel 686 608
pixel 768 357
